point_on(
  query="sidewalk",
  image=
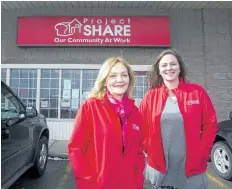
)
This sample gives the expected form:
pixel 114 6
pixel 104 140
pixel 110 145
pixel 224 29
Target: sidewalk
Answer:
pixel 58 148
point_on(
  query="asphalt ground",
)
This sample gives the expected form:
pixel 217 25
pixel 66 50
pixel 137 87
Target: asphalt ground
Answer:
pixel 59 175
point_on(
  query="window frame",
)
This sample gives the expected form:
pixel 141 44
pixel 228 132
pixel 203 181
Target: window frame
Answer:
pixel 49 99
pixel 25 83
pixel 60 67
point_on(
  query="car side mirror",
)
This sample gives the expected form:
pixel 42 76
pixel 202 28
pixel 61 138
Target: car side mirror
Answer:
pixel 31 111
pixel 230 115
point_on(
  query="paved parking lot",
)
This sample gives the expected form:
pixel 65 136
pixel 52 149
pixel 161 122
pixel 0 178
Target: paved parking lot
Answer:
pixel 59 176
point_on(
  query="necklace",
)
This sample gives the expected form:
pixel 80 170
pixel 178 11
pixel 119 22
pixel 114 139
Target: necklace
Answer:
pixel 173 99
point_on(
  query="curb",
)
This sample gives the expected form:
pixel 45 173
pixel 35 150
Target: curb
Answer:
pixel 60 155
pixel 54 153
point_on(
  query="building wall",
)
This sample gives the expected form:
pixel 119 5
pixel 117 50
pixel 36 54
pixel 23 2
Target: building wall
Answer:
pixel 203 37
pixel 218 58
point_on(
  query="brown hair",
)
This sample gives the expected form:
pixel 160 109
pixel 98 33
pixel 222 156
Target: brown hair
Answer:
pixel 154 78
pixel 98 90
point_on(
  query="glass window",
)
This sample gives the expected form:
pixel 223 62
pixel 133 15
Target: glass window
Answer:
pixel 24 73
pixel 49 93
pixel 15 73
pixel 10 107
pixel 3 75
pixel 45 83
pixel 89 77
pixel 49 113
pixel 140 87
pixel 45 74
pixel 54 83
pixel 14 83
pixel 70 93
pixel 24 83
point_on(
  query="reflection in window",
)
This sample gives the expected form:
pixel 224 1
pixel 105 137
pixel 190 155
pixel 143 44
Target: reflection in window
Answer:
pixel 24 83
pixel 3 75
pixel 10 108
pixel 3 78
pixel 70 93
pixel 89 77
pixel 140 87
pixel 49 93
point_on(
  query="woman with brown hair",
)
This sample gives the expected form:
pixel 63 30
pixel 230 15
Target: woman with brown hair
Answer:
pixel 180 126
pixel 106 150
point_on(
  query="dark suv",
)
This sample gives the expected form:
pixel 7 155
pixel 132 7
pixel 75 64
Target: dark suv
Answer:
pixel 221 154
pixel 24 142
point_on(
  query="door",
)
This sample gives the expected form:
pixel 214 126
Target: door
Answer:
pixel 15 136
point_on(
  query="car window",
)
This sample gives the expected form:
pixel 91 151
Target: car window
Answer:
pixel 10 107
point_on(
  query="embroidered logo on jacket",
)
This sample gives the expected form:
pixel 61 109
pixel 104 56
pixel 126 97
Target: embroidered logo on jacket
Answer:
pixel 191 102
pixel 135 127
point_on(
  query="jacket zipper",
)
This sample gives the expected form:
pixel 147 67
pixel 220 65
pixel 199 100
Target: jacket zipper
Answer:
pixel 123 147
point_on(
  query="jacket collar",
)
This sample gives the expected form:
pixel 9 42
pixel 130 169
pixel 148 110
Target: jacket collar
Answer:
pixel 105 100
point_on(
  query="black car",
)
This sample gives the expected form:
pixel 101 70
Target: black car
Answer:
pixel 24 142
pixel 221 154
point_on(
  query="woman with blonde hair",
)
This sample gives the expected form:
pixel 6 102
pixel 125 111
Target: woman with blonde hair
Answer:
pixel 105 149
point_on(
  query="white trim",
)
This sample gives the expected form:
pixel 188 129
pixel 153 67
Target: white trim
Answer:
pixel 8 77
pixel 67 66
pixel 59 94
pixel 38 90
pixel 81 87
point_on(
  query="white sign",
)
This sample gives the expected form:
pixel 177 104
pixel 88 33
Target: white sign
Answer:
pixel 74 103
pixel 66 94
pixel 44 104
pixel 65 103
pixel 75 93
pixel 67 84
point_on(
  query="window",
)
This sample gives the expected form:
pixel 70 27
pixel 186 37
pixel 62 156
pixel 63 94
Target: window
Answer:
pixel 3 75
pixel 140 87
pixel 49 93
pixel 70 93
pixel 24 83
pixel 89 77
pixel 74 88
pixel 10 107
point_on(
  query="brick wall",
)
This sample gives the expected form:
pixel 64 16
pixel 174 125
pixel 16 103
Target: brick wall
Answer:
pixel 203 37
pixel 218 58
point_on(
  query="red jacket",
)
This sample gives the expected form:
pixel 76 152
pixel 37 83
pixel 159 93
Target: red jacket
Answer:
pixel 200 125
pixel 95 148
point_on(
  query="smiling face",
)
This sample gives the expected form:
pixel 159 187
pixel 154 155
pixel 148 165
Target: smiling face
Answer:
pixel 117 81
pixel 169 68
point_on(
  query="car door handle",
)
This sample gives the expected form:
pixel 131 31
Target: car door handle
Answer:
pixel 5 134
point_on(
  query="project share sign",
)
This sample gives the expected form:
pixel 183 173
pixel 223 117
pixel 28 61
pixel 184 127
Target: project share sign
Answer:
pixel 93 31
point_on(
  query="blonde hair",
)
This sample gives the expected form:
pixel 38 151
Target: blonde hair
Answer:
pixel 99 89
